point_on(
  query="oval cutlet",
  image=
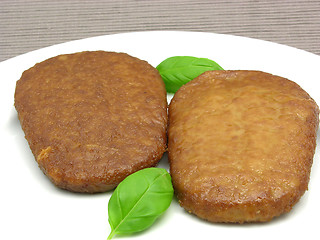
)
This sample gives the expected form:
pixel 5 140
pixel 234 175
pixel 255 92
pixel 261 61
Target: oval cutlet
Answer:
pixel 93 118
pixel 241 145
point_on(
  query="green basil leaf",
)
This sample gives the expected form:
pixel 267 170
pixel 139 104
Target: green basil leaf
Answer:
pixel 138 200
pixel 177 71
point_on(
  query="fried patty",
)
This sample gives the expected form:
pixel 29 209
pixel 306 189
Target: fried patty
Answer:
pixel 241 145
pixel 93 118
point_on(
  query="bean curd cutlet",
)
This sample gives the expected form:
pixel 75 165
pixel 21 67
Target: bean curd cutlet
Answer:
pixel 241 145
pixel 93 118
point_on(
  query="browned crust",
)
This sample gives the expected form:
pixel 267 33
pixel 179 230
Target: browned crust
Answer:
pixel 241 145
pixel 93 118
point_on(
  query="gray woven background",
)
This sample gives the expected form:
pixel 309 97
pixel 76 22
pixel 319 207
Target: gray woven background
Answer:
pixel 30 25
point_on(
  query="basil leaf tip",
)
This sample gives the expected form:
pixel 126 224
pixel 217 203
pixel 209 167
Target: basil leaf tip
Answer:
pixel 177 71
pixel 139 200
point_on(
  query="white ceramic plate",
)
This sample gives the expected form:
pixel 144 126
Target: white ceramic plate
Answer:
pixel 32 208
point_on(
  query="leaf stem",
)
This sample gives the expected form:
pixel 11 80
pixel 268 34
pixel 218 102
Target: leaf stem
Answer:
pixel 111 235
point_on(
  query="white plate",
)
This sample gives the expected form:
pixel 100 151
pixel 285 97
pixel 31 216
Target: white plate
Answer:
pixel 32 208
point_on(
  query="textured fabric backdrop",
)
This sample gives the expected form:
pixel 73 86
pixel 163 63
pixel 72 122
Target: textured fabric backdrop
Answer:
pixel 30 25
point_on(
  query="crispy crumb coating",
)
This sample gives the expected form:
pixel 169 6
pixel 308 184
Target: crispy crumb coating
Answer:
pixel 93 118
pixel 241 145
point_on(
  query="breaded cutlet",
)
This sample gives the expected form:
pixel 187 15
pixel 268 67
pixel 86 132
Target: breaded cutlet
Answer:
pixel 93 118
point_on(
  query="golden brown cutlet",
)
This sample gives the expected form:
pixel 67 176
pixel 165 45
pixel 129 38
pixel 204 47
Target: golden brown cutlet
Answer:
pixel 93 118
pixel 241 145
